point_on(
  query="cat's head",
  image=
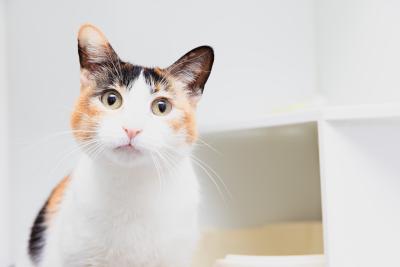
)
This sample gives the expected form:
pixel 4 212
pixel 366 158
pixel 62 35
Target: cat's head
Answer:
pixel 126 112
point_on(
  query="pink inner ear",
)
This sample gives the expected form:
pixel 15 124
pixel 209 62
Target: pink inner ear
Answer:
pixel 91 35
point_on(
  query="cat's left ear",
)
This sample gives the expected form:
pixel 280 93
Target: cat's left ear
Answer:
pixel 94 51
pixel 193 70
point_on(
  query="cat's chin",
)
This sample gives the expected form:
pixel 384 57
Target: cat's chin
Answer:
pixel 126 156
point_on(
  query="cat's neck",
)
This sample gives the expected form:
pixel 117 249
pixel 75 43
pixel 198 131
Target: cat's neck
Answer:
pixel 102 168
pixel 145 183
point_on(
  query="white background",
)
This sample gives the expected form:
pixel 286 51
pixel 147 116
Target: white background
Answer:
pixel 4 200
pixel 358 45
pixel 269 56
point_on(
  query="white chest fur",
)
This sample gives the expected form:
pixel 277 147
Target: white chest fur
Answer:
pixel 126 217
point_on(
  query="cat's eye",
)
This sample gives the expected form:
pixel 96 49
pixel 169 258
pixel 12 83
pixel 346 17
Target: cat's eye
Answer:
pixel 161 106
pixel 111 99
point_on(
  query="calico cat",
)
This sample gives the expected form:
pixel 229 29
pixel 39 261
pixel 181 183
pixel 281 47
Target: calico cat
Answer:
pixel 132 198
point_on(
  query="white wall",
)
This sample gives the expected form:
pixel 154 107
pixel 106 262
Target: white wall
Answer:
pixel 359 50
pixel 4 203
pixel 360 167
pixel 264 59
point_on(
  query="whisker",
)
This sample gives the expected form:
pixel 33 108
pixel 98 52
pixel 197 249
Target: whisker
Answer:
pixel 215 173
pixel 69 153
pixel 158 171
pixel 209 146
pixel 213 180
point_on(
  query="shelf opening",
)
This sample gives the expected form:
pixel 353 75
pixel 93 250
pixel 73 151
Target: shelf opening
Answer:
pixel 271 201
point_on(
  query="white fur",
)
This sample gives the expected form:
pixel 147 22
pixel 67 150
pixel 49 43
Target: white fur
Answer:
pixel 119 209
pixel 121 217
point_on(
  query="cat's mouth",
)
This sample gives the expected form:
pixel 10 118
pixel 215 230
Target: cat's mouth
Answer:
pixel 127 148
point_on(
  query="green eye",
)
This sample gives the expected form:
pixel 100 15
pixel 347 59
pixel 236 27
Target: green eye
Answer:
pixel 161 106
pixel 111 99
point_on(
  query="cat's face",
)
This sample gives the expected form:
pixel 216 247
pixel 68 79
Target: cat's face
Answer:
pixel 126 113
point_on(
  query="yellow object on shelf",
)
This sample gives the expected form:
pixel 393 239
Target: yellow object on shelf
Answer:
pixel 300 238
pixel 272 261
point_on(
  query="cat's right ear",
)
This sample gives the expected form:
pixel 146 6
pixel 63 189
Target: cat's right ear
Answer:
pixel 94 52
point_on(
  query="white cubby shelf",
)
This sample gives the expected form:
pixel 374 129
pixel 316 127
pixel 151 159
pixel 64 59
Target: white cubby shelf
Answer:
pixel 332 113
pixel 338 165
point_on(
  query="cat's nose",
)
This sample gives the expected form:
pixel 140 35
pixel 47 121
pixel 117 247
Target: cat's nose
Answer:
pixel 131 133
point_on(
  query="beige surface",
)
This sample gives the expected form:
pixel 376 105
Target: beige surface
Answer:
pixel 272 261
pixel 274 239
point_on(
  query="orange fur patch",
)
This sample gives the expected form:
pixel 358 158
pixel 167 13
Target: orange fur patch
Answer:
pixel 188 121
pixel 191 127
pixel 55 198
pixel 83 119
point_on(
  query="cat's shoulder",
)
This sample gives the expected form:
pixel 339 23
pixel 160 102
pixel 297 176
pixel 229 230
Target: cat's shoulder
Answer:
pixel 44 218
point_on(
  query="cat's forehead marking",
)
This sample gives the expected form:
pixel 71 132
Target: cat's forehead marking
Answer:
pixel 125 75
pixel 138 94
pixel 139 90
pixel 121 74
pixel 155 78
pixel 129 74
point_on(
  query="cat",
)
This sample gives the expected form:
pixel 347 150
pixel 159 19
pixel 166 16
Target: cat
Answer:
pixel 132 198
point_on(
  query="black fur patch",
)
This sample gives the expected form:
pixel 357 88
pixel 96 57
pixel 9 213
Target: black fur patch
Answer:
pixel 129 74
pixel 121 73
pixel 37 238
pixel 151 76
pixel 125 74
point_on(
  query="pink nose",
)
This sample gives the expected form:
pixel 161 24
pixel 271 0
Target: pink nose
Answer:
pixel 131 133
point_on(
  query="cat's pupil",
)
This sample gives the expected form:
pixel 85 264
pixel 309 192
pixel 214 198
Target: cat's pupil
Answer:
pixel 111 99
pixel 162 106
